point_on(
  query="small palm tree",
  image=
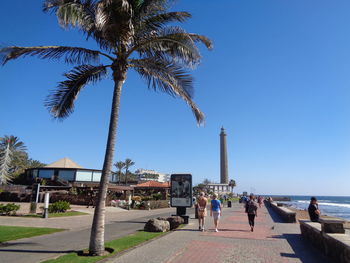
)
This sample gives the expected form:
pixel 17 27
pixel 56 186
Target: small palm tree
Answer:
pixel 232 184
pixel 128 163
pixel 120 166
pixel 130 34
pixel 35 164
pixel 9 146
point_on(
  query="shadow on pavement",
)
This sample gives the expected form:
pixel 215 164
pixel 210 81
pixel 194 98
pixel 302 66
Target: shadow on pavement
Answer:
pixel 303 251
pixel 234 230
pixel 184 229
pixel 5 244
pixel 131 222
pixel 37 251
pixel 289 255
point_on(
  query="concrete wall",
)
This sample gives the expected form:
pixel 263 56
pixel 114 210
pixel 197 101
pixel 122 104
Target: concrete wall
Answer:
pixel 335 246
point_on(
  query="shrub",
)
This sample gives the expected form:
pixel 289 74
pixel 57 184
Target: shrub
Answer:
pixel 9 209
pixel 136 198
pixel 59 207
pixel 154 204
pixel 146 198
pixel 157 196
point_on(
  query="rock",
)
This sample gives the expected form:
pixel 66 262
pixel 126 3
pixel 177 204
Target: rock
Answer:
pixel 155 225
pixel 175 221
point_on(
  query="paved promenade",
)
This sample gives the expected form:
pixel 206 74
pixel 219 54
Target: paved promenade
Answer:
pixel 271 242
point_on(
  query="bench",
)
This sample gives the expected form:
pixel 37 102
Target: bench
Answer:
pixel 332 225
pixel 334 245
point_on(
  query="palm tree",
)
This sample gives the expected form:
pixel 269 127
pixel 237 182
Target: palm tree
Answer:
pixel 9 147
pixel 128 162
pixel 232 184
pixel 130 34
pixel 120 166
pixel 206 182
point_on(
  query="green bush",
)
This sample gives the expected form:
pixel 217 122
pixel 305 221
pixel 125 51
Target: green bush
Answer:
pixel 9 209
pixel 59 207
pixel 157 196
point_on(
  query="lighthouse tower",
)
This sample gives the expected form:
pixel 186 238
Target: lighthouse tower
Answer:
pixel 223 158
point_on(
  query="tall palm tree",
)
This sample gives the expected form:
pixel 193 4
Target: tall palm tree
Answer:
pixel 128 163
pixel 120 166
pixel 9 146
pixel 131 34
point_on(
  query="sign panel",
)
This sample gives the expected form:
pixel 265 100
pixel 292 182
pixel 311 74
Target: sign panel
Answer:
pixel 181 190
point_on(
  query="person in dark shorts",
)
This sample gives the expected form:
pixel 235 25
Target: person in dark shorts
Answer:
pixel 251 208
pixel 314 212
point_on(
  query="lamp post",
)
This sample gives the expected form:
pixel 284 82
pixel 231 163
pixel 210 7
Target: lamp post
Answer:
pixel 46 205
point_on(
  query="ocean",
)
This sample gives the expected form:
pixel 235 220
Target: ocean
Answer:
pixel 336 206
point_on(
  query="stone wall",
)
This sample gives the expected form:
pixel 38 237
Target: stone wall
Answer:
pixel 335 246
pixel 286 214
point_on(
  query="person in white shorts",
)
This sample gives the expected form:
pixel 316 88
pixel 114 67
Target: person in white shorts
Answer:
pixel 215 211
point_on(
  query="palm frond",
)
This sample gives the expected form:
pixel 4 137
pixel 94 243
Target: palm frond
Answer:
pixel 157 21
pixel 76 13
pixel 171 41
pixel 71 54
pixel 5 163
pixel 80 14
pixel 114 19
pixel 202 39
pixel 13 142
pixel 144 8
pixel 61 102
pixel 168 77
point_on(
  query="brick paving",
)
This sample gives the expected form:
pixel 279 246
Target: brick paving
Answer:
pixel 271 242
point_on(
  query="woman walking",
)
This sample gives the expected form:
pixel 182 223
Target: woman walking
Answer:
pixel 215 211
pixel 251 208
pixel 202 210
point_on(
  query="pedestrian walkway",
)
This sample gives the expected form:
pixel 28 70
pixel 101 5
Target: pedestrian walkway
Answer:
pixel 270 242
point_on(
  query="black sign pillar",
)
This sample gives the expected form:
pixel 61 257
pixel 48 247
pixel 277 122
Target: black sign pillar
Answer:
pixel 180 211
pixel 181 194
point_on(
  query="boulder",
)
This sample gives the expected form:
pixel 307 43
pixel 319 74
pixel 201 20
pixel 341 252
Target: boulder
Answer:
pixel 175 221
pixel 155 225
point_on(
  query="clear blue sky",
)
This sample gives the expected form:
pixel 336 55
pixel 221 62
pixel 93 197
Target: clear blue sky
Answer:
pixel 278 80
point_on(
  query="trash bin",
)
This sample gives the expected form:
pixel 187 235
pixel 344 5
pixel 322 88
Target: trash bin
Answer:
pixel 229 203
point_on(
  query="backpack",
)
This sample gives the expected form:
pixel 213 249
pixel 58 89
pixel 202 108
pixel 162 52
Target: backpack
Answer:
pixel 250 207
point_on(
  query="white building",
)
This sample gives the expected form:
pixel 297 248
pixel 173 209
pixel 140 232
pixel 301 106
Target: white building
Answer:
pixel 220 188
pixel 147 175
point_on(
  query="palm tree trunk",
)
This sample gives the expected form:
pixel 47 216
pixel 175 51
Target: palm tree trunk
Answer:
pixel 126 176
pixel 96 246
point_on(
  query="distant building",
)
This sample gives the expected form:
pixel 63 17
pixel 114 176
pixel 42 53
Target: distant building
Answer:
pixel 66 170
pixel 219 188
pixel 151 175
